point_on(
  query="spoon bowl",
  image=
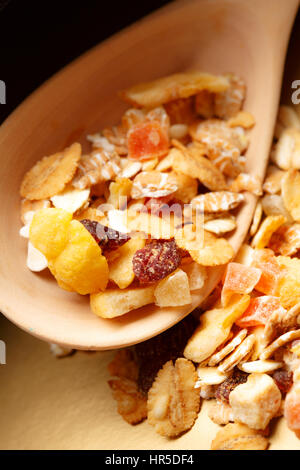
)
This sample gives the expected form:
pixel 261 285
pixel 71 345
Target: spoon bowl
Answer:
pixel 248 38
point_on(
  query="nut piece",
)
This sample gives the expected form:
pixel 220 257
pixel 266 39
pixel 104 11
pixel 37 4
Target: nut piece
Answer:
pixel 173 401
pixel 239 437
pixel 255 402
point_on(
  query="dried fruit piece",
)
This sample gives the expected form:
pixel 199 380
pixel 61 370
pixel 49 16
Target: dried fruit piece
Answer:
pixel 80 266
pixel 173 290
pixel 226 387
pixel 239 279
pixel 49 231
pixel 255 402
pixel 121 269
pixel 115 302
pixel 220 413
pixel 271 272
pixel 289 286
pixel 217 201
pixel 119 192
pixel 290 193
pixel 266 229
pixel 237 436
pixel 179 85
pixel 147 140
pixel 258 311
pixel 154 262
pixel 214 329
pixel 173 402
pixel 204 247
pixel 107 238
pixel 230 101
pixel 286 240
pixel 132 405
pixel 50 175
pixel 197 275
pixel 283 379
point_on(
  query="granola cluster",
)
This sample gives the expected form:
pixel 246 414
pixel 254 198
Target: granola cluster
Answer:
pixel 139 218
pixel 244 355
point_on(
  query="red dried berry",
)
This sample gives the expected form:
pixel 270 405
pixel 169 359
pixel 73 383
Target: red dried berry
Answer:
pixel 225 388
pixel 107 238
pixel 283 380
pixel 156 260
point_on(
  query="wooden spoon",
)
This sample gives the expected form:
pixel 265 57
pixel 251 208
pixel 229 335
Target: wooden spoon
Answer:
pixel 246 37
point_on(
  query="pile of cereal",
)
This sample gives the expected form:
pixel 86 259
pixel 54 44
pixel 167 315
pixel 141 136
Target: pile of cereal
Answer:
pixel 138 219
pixel 244 354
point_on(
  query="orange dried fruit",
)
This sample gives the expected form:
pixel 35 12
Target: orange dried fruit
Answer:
pixel 271 272
pixel 146 141
pixel 239 279
pixel 50 175
pixel 259 310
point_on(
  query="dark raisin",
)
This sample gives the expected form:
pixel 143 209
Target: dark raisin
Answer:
pixel 154 262
pixel 107 238
pixel 225 388
pixel 283 380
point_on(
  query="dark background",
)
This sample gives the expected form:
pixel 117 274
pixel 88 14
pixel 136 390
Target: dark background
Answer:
pixel 37 38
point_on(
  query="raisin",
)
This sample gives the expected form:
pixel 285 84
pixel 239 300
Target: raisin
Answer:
pixel 152 354
pixel 107 238
pixel 225 388
pixel 154 262
pixel 283 380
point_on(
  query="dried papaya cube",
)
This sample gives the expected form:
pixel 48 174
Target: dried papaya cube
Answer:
pixel 239 279
pixel 258 311
pixel 147 140
pixel 271 272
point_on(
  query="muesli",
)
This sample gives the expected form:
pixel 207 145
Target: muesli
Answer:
pixel 150 206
